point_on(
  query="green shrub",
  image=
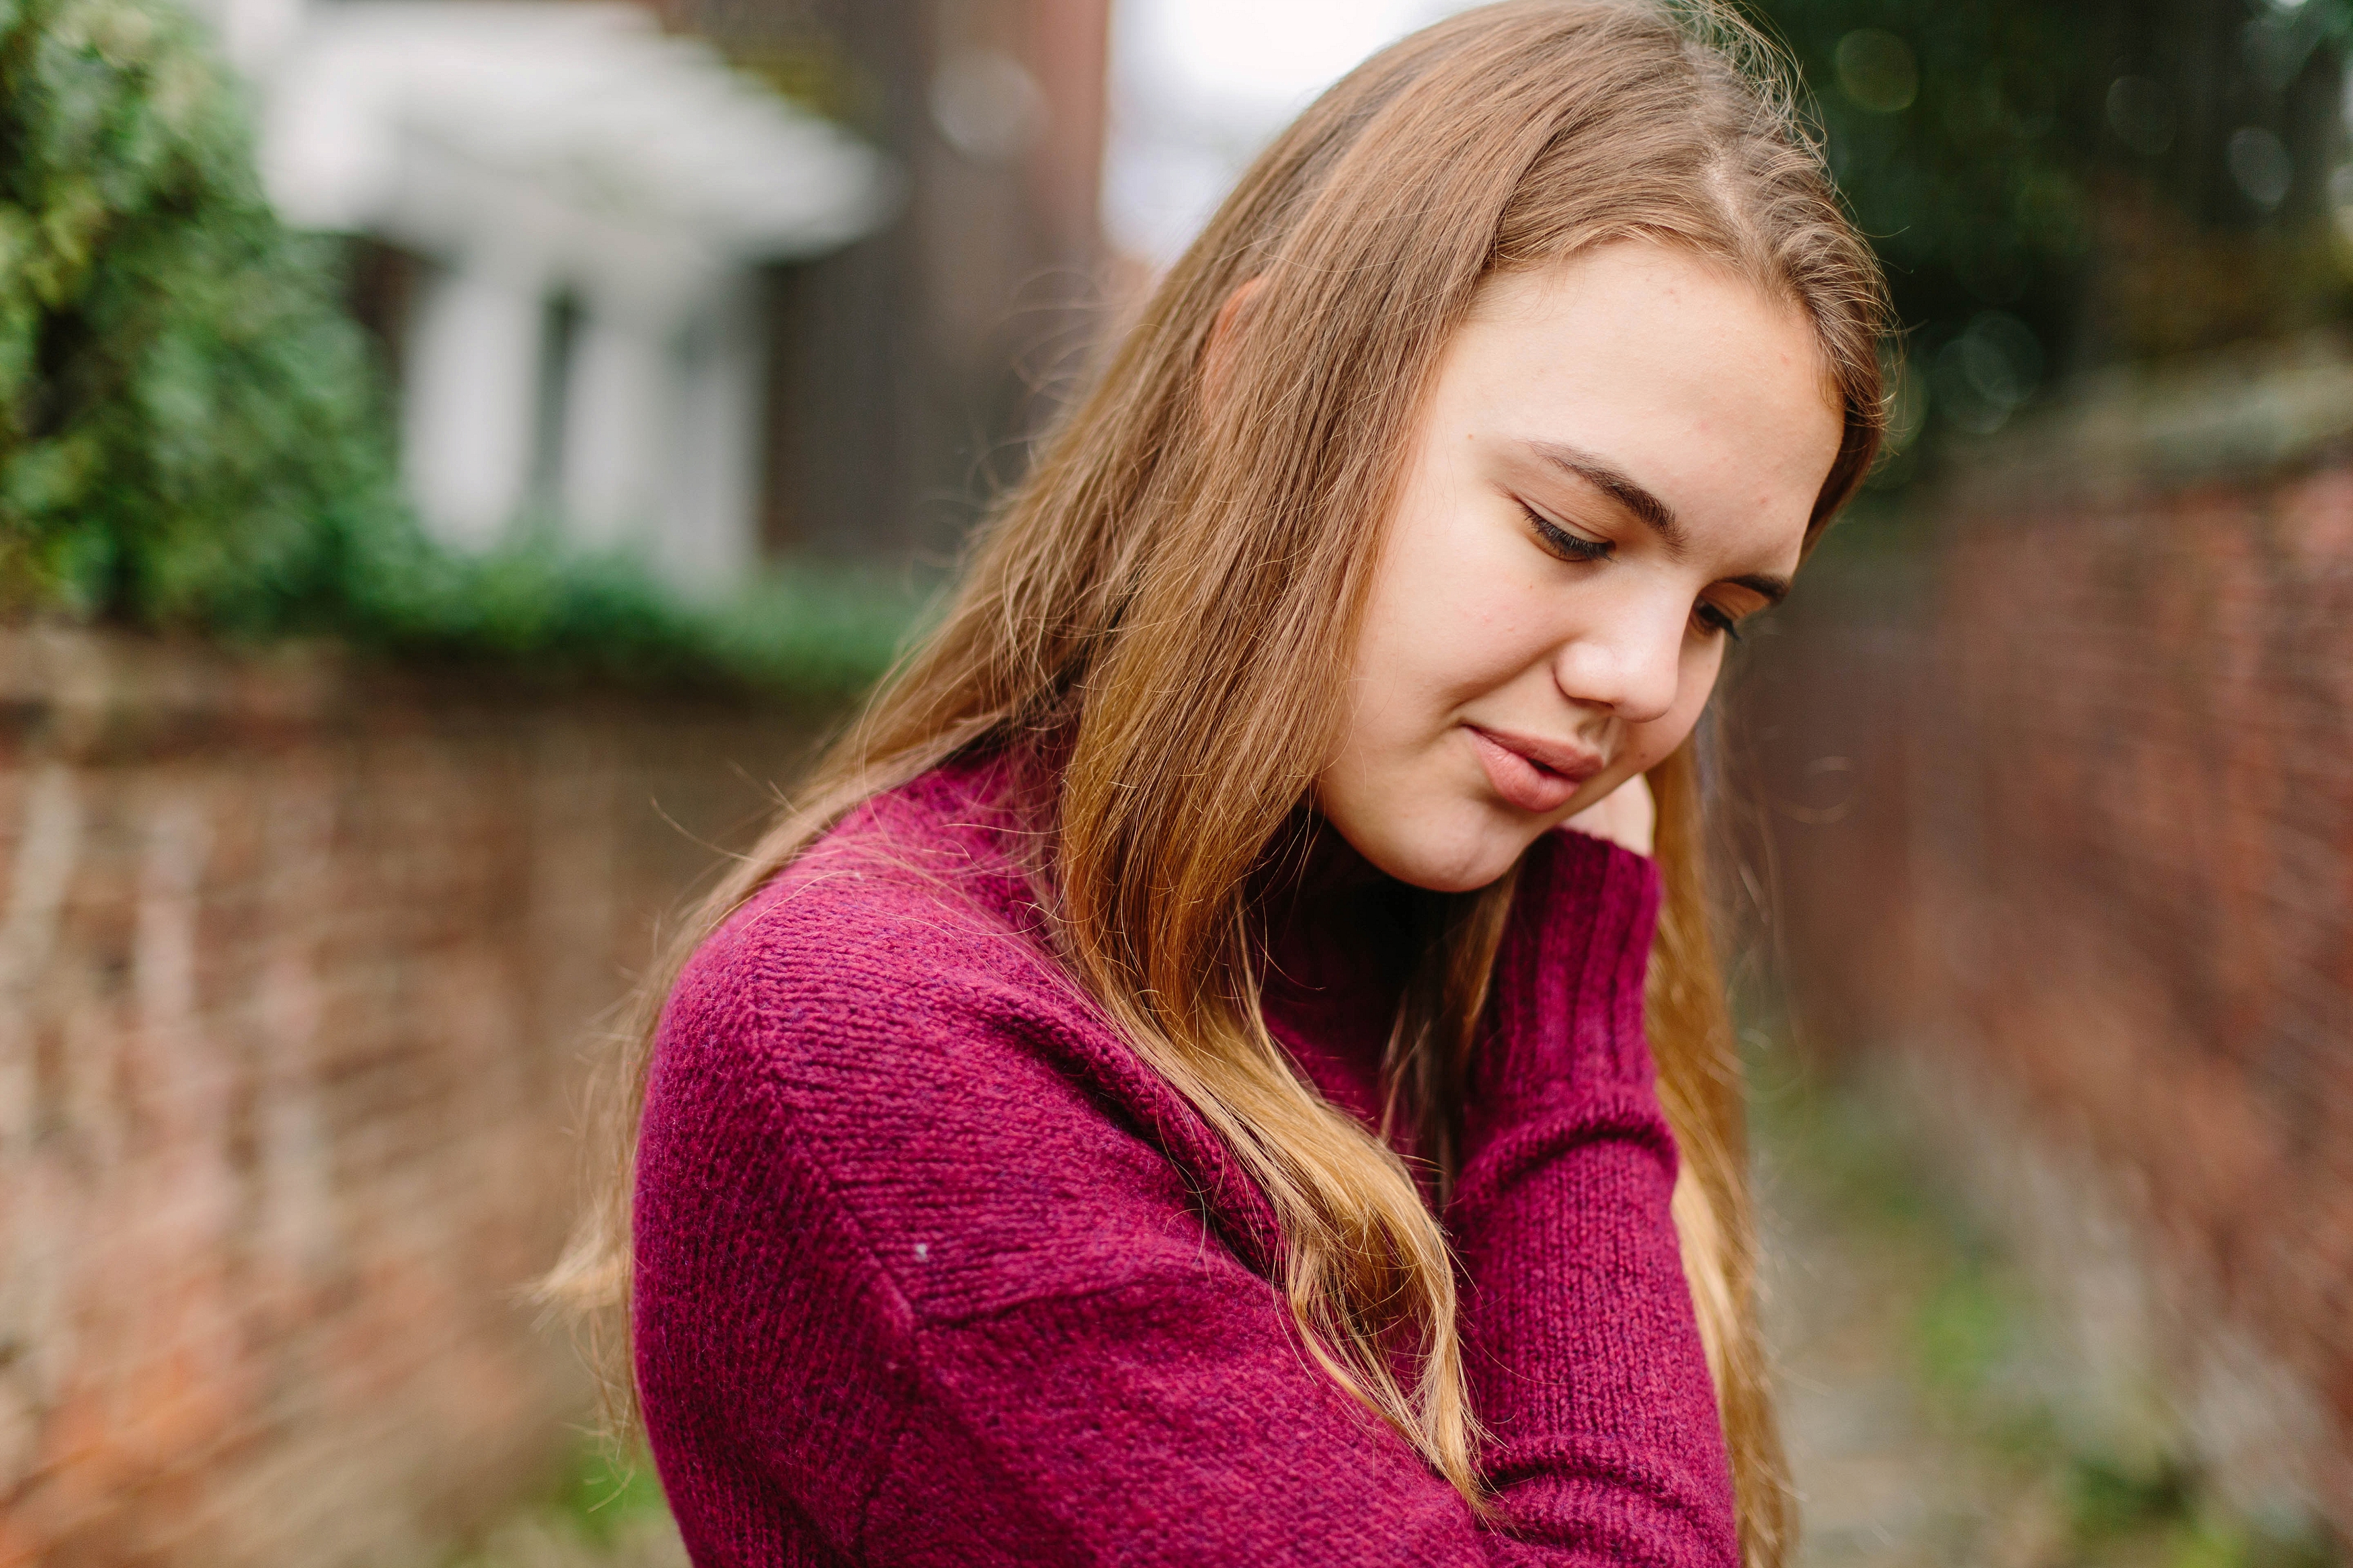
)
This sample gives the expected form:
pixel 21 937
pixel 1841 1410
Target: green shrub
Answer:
pixel 187 429
pixel 812 628
pixel 192 435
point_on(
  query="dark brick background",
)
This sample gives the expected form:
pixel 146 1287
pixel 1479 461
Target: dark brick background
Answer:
pixel 297 967
pixel 2060 812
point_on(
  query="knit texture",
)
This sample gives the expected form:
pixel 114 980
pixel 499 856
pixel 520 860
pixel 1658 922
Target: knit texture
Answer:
pixel 932 1269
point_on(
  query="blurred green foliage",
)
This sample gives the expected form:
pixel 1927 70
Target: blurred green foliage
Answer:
pixel 605 1493
pixel 1989 1362
pixel 2061 184
pixel 192 435
pixel 186 430
pixel 605 1512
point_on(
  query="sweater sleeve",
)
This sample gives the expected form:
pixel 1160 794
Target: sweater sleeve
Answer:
pixel 908 1295
pixel 1583 1353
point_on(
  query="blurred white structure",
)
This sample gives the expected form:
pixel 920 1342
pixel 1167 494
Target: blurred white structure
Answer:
pixel 1200 85
pixel 593 198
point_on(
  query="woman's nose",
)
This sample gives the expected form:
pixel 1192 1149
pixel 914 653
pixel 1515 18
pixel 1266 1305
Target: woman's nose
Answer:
pixel 1630 665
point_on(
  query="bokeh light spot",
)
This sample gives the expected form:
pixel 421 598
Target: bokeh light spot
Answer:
pixel 2260 166
pixel 1877 70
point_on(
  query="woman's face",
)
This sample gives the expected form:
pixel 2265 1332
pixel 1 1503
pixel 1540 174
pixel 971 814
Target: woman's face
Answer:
pixel 1615 468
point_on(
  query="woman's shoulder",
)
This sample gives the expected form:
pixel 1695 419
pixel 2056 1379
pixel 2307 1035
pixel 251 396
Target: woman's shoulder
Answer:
pixel 916 891
pixel 881 1033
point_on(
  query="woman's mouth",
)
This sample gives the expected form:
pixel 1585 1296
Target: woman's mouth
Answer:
pixel 1531 773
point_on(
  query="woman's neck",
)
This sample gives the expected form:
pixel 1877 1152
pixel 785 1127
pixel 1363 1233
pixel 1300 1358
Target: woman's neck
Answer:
pixel 1333 910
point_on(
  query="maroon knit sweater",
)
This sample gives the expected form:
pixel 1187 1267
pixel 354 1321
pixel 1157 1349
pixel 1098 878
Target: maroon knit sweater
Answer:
pixel 932 1269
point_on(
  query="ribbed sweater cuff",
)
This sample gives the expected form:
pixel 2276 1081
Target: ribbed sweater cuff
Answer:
pixel 1565 1010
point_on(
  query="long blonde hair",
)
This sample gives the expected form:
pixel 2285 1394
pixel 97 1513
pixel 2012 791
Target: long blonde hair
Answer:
pixel 1161 611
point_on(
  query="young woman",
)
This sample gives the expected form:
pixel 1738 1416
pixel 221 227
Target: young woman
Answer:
pixel 1178 1089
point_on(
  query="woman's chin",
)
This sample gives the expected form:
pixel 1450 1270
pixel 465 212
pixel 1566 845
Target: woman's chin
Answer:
pixel 1451 866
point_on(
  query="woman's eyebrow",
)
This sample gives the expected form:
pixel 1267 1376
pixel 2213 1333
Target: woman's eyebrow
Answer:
pixel 1657 515
pixel 1765 586
pixel 1620 487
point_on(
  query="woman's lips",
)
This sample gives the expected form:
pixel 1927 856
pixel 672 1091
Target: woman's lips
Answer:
pixel 1533 773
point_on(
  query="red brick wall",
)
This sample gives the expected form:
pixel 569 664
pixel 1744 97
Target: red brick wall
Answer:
pixel 295 967
pixel 2064 818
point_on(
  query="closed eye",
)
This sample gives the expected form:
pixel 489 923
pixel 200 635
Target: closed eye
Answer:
pixel 1562 542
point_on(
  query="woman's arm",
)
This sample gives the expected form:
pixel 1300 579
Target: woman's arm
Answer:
pixel 1584 1358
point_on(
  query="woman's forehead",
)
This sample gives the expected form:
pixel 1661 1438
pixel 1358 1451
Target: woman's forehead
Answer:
pixel 1705 391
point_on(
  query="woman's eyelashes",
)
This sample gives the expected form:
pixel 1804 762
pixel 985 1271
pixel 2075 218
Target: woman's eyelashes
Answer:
pixel 1715 620
pixel 1569 546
